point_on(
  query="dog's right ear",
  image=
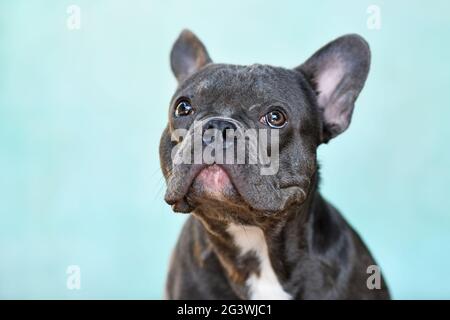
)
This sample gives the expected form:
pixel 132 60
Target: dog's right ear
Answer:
pixel 188 55
pixel 337 72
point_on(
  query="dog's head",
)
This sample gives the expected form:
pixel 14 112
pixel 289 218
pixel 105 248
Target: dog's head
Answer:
pixel 280 115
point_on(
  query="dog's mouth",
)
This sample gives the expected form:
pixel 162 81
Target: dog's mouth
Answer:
pixel 241 186
pixel 206 184
pixel 213 180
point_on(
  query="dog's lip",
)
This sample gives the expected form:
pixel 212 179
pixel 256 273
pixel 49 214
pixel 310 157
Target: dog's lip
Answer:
pixel 172 198
pixel 214 166
pixel 177 197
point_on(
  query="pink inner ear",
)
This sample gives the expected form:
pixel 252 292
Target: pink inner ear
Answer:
pixel 328 81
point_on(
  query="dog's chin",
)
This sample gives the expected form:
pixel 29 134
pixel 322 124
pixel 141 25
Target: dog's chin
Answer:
pixel 213 185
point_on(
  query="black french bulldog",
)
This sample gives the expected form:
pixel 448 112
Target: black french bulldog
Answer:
pixel 255 236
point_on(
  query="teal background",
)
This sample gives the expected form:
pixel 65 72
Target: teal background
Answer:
pixel 81 114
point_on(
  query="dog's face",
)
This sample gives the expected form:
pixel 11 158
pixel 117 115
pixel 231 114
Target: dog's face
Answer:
pixel 297 108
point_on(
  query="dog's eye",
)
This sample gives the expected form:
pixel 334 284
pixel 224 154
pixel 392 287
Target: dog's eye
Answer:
pixel 274 119
pixel 183 108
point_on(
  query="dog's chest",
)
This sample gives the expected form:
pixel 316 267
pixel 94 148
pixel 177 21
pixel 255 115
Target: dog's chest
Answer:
pixel 265 285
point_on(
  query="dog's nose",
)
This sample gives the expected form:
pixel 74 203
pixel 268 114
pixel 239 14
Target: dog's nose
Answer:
pixel 218 126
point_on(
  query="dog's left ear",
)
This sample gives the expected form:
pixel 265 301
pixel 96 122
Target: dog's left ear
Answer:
pixel 337 73
pixel 188 55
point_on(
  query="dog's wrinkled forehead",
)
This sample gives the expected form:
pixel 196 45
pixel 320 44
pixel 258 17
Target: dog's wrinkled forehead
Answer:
pixel 248 87
pixel 234 78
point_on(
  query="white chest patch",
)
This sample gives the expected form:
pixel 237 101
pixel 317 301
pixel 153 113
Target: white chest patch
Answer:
pixel 266 285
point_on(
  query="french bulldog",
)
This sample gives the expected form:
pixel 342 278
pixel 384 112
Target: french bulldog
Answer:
pixel 253 235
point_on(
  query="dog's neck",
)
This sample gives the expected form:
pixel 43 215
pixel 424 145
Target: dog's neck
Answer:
pixel 255 256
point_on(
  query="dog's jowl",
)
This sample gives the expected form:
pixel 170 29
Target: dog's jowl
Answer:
pixel 239 155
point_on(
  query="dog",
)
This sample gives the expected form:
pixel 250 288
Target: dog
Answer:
pixel 263 236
